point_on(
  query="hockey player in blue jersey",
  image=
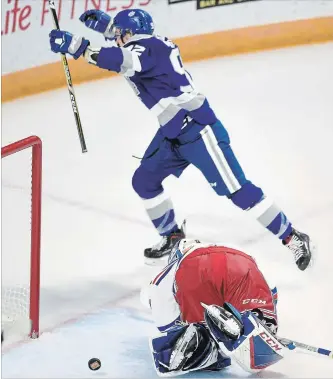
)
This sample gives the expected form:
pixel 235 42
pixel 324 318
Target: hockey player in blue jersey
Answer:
pixel 189 132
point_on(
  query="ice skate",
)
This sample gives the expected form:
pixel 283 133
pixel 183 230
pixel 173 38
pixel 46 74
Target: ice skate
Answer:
pixel 299 243
pixel 163 248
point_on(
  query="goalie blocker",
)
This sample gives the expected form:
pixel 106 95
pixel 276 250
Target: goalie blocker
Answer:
pixel 226 336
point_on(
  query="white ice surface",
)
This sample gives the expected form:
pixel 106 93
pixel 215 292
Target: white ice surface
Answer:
pixel 278 109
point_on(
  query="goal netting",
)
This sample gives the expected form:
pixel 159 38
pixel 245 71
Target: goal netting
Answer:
pixel 21 227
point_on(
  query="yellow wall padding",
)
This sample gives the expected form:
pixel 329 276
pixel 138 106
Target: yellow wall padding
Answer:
pixel 193 48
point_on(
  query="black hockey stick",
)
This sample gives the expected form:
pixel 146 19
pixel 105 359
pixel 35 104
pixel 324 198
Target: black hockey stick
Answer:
pixel 69 83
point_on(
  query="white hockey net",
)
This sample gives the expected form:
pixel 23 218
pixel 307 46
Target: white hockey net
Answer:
pixel 19 292
pixel 15 314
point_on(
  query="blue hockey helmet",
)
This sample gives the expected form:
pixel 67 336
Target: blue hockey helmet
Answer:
pixel 134 21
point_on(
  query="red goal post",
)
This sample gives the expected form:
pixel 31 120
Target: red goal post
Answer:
pixel 36 196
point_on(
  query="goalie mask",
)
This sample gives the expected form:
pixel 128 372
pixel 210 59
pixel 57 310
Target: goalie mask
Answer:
pixel 181 248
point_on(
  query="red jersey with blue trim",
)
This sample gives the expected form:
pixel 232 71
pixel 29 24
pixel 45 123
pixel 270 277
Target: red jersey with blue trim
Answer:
pixel 213 275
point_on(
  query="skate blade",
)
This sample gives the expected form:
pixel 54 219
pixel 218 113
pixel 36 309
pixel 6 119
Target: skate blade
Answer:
pixel 313 249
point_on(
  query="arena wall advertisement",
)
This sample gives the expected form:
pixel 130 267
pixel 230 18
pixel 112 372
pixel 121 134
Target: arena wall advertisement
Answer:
pixel 28 65
pixel 204 4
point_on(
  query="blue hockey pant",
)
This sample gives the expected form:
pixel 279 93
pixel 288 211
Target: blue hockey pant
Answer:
pixel 207 148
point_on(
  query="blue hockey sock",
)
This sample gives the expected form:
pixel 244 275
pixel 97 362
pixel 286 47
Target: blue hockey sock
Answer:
pixel 252 199
pixel 272 218
pixel 160 211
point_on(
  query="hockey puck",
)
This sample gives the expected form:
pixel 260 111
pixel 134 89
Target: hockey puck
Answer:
pixel 94 364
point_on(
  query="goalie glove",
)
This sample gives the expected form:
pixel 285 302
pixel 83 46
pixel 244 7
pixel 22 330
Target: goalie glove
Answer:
pixel 186 348
pixel 242 337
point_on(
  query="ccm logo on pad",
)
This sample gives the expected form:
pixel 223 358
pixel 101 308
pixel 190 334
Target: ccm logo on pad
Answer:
pixel 269 340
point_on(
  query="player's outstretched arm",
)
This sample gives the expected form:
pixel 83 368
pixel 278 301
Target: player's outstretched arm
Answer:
pixel 124 60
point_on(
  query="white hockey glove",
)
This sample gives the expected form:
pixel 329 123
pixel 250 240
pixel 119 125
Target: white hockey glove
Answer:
pixel 243 337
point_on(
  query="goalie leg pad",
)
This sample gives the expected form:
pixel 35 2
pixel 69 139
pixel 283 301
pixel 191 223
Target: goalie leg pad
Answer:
pixel 184 349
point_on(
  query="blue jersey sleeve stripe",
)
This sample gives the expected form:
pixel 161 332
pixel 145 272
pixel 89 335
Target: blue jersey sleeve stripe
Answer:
pixel 128 63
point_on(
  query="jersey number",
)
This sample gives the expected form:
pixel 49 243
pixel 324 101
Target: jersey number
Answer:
pixel 175 58
pixel 138 49
pixel 176 61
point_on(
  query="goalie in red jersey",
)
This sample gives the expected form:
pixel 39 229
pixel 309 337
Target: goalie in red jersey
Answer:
pixel 212 307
